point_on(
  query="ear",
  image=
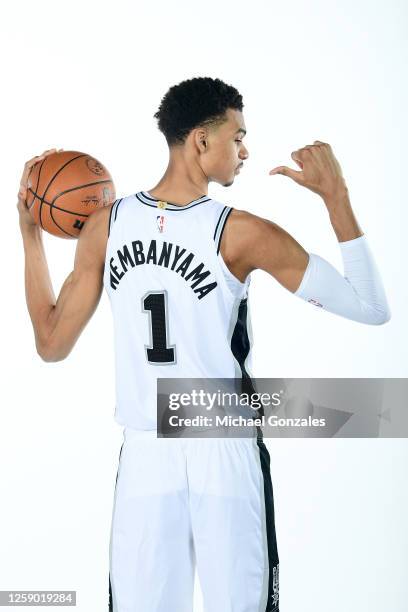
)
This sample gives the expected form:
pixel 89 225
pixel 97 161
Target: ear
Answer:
pixel 200 139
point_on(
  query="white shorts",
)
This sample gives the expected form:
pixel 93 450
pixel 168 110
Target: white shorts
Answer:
pixel 181 503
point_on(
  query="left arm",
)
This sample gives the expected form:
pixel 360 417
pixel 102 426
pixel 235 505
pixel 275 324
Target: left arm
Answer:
pixel 252 242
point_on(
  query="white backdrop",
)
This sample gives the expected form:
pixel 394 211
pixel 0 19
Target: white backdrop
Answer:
pixel 89 76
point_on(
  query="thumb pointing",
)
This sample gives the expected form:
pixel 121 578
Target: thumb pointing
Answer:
pixel 296 175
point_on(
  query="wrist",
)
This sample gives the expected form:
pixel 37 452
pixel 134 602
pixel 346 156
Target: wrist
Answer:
pixel 30 229
pixel 342 217
pixel 338 199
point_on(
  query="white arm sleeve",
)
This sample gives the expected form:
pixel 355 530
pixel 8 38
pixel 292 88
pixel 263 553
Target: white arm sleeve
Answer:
pixel 359 295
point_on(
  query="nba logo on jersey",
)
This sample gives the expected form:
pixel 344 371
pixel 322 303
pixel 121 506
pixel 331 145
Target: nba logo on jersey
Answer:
pixel 160 223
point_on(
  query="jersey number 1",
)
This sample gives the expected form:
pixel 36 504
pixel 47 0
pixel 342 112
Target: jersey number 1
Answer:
pixel 158 352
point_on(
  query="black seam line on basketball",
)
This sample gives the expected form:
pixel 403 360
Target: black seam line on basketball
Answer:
pixel 116 211
pixel 171 203
pixel 69 190
pixel 218 222
pixel 80 187
pixel 53 178
pixel 172 209
pixel 70 212
pixel 38 181
pixel 62 229
pixel 56 197
pixel 222 230
pixel 36 197
pixel 58 225
pixel 110 216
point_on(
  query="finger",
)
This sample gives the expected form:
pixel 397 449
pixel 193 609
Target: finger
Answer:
pixel 31 162
pixel 41 156
pixel 317 152
pixel 323 146
pixel 34 160
pixel 296 156
pixel 293 174
pixel 22 196
pixel 28 167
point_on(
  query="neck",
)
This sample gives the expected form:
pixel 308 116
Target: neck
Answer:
pixel 182 182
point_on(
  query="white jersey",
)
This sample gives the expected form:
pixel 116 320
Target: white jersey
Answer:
pixel 178 312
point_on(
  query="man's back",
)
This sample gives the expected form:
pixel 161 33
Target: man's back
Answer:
pixel 178 311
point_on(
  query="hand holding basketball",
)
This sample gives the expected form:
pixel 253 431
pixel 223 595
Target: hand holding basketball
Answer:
pixel 26 220
pixel 320 170
pixel 60 189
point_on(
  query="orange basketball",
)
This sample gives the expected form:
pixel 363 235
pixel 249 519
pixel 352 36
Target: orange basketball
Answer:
pixel 65 188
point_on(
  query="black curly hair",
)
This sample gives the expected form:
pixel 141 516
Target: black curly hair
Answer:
pixel 194 103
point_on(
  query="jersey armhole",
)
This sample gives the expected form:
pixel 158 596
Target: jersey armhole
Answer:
pixel 112 217
pixel 113 214
pixel 219 228
pixel 235 286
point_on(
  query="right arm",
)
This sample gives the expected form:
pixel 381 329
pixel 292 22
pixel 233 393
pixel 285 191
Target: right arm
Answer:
pixel 57 323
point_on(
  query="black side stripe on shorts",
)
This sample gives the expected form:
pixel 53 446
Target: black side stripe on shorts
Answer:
pixel 273 557
pixel 219 228
pixel 240 347
pixel 110 584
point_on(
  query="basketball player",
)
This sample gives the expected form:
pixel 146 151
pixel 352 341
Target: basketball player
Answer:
pixel 176 265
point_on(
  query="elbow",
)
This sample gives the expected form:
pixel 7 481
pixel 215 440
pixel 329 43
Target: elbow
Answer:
pixel 49 354
pixel 380 317
pixel 49 358
pixel 385 317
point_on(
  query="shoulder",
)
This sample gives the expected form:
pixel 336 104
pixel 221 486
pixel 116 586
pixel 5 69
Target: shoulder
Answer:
pixel 243 220
pixel 99 220
pixel 244 229
pixel 247 239
pixel 93 237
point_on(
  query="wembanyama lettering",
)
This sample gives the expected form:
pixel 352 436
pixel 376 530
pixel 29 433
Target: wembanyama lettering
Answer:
pixel 171 256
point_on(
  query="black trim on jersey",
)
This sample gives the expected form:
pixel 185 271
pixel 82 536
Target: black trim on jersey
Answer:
pixel 152 199
pixel 140 195
pixel 218 222
pixel 110 216
pixel 116 211
pixel 111 222
pixel 240 346
pixel 110 596
pixel 222 230
pixel 273 556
